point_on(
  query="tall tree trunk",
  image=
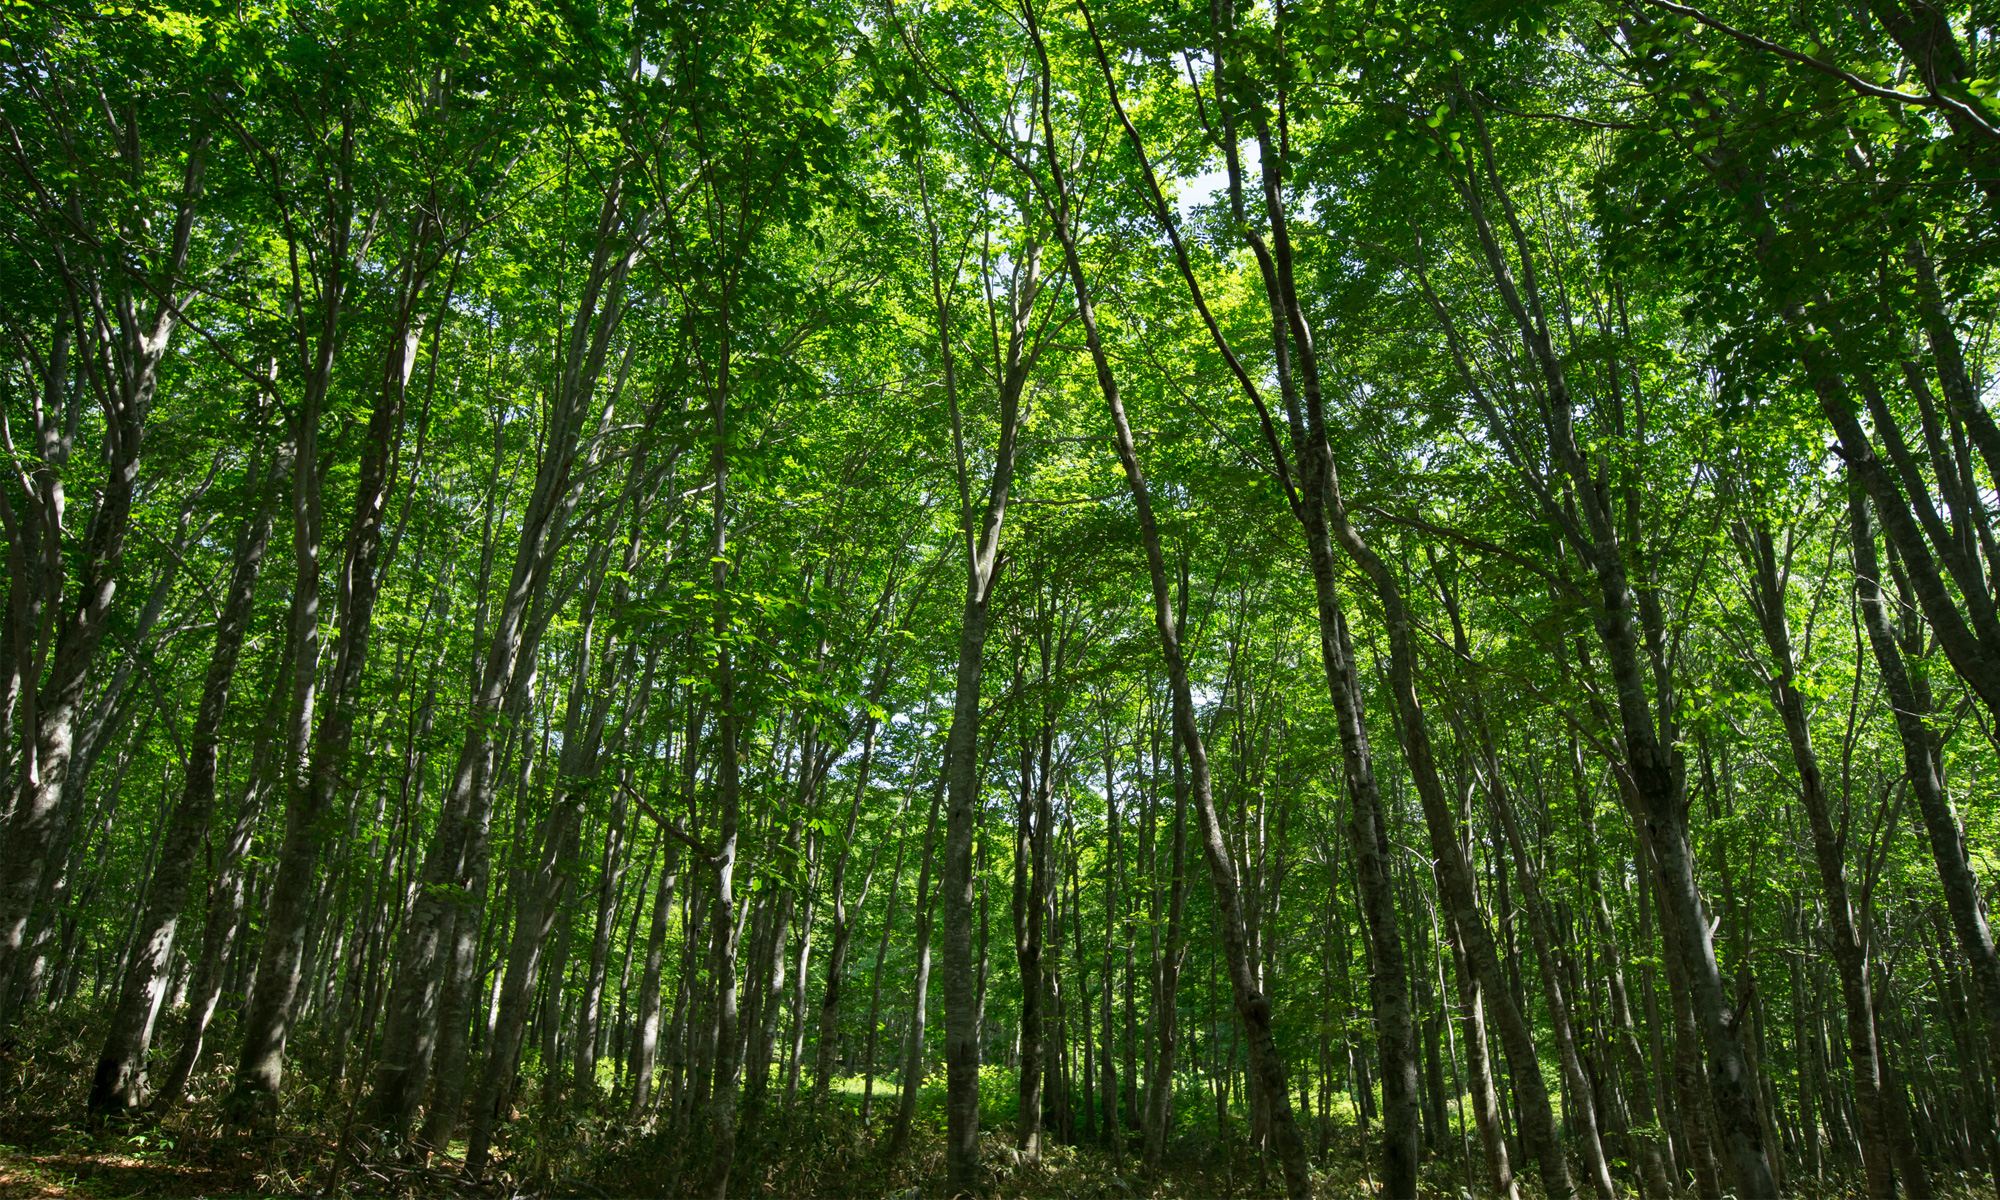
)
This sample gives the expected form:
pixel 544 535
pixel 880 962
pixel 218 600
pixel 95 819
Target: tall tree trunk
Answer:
pixel 1485 1098
pixel 459 836
pixel 836 961
pixel 728 783
pixel 1653 1149
pixel 120 1080
pixel 913 1038
pixel 268 1012
pixel 1252 1005
pixel 1107 1092
pixel 124 309
pixel 454 1015
pixel 1652 763
pixel 1160 1095
pixel 981 542
pixel 229 887
pixel 1947 839
pixel 1395 1035
pixel 645 1054
pixel 1850 948
pixel 1032 887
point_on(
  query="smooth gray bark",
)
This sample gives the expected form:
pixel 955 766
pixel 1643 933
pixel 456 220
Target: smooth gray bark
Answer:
pixel 120 1080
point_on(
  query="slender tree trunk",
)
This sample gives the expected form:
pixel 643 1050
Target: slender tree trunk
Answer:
pixel 1947 840
pixel 728 783
pixel 1159 1097
pixel 1032 849
pixel 1107 1091
pixel 611 876
pixel 827 1051
pixel 1850 948
pixel 536 913
pixel 267 1017
pixel 1367 831
pixel 645 1054
pixel 875 986
pixel 1652 761
pixel 124 341
pixel 961 768
pixel 1252 1005
pixel 120 1081
pixel 458 838
pixel 913 1038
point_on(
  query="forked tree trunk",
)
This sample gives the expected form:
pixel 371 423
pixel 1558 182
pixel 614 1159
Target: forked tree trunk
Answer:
pixel 1651 760
pixel 981 541
pixel 124 335
pixel 1963 899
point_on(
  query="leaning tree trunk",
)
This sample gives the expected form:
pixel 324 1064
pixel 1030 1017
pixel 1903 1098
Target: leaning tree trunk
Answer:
pixel 1651 758
pixel 457 842
pixel 1533 1107
pixel 1963 900
pixel 1367 829
pixel 120 1081
pixel 124 333
pixel 1850 948
pixel 228 891
pixel 1253 1007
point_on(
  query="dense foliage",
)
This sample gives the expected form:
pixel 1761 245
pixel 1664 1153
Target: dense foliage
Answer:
pixel 828 597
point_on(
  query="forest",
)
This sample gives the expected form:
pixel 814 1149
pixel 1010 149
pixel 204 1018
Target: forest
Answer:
pixel 955 598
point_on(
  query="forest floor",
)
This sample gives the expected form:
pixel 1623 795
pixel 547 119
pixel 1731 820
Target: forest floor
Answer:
pixel 64 1162
pixel 801 1156
pixel 103 1169
pixel 582 1150
pixel 562 1147
pixel 75 1163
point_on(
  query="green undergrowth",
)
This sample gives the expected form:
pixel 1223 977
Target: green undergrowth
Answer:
pixel 563 1144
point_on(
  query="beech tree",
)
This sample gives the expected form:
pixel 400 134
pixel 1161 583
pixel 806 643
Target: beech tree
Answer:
pixel 1390 595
